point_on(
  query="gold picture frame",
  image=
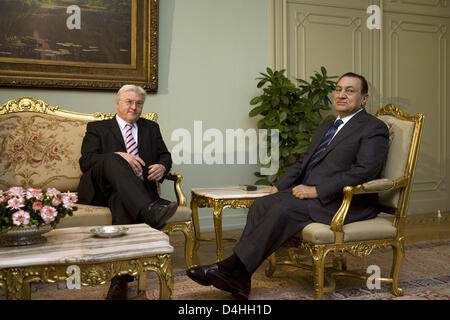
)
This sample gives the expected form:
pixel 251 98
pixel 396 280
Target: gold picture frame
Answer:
pixel 38 57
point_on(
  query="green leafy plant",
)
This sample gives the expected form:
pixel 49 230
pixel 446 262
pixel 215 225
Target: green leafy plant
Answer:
pixel 294 111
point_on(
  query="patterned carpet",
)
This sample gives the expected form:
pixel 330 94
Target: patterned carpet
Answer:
pixel 425 275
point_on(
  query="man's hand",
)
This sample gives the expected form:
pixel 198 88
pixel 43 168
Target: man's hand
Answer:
pixel 135 162
pixel 304 192
pixel 273 190
pixel 156 172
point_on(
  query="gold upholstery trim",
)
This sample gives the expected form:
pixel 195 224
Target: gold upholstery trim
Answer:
pixel 27 104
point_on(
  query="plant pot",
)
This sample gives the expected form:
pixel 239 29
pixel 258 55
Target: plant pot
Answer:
pixel 24 236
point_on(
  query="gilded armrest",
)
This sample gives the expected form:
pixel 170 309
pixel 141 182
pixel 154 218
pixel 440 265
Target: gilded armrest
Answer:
pixel 373 186
pixel 177 178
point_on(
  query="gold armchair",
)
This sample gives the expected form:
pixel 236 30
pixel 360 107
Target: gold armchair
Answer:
pixel 362 237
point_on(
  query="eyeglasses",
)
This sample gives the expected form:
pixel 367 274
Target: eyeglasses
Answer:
pixel 129 103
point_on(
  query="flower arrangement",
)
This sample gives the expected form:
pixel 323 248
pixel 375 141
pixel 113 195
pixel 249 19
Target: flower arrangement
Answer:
pixel 21 207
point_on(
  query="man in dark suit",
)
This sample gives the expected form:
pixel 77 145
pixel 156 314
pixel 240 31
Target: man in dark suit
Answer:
pixel 346 151
pixel 121 160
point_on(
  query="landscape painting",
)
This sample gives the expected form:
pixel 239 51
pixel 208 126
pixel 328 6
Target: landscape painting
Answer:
pixel 93 31
pixel 78 43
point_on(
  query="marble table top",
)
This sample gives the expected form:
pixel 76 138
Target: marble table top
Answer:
pixel 231 192
pixel 79 245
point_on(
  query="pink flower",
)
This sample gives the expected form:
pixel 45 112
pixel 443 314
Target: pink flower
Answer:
pixel 16 203
pixel 20 217
pixel 72 196
pixel 15 192
pixel 37 206
pixel 48 214
pixel 2 198
pixel 52 192
pixel 34 193
pixel 56 201
pixel 67 202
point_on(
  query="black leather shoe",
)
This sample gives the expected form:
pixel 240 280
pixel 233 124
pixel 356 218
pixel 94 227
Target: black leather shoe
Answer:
pixel 238 287
pixel 117 289
pixel 198 274
pixel 159 212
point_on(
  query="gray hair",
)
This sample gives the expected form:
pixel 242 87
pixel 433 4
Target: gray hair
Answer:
pixel 131 87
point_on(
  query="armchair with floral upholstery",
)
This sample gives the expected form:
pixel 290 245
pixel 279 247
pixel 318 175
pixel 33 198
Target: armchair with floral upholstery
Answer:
pixel 362 237
pixel 40 148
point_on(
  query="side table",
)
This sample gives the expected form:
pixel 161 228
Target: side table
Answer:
pixel 140 250
pixel 218 199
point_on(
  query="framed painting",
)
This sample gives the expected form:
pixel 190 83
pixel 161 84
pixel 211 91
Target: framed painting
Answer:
pixel 79 44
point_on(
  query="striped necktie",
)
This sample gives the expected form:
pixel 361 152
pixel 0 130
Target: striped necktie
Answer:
pixel 321 148
pixel 130 143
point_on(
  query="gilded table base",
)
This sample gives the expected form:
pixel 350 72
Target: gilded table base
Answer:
pixel 199 201
pixel 16 281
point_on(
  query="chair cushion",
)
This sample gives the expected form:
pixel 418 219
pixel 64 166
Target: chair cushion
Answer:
pixel 373 229
pixel 40 151
pixel 401 132
pixel 87 215
pixel 181 215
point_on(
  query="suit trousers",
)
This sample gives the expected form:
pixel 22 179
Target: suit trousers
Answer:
pixel 271 221
pixel 117 186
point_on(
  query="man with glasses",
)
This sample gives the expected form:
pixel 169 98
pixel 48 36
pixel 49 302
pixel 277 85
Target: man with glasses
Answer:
pixel 345 151
pixel 121 160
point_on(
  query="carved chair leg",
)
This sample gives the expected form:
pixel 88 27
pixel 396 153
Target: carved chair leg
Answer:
pixel 398 253
pixel 318 255
pixel 270 269
pixel 189 239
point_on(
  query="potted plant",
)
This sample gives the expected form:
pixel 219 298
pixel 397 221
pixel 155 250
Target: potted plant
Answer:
pixel 25 214
pixel 295 112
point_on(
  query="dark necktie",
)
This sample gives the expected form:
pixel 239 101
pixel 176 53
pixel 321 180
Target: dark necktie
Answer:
pixel 321 148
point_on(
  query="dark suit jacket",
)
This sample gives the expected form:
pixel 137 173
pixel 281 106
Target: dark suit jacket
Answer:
pixel 355 155
pixel 103 138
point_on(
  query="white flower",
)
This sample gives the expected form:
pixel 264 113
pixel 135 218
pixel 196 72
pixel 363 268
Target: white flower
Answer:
pixel 52 192
pixel 16 203
pixel 34 193
pixel 20 217
pixel 15 192
pixel 48 214
pixel 67 202
pixel 72 196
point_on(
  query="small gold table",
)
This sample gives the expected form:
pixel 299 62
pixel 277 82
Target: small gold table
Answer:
pixel 218 199
pixel 140 250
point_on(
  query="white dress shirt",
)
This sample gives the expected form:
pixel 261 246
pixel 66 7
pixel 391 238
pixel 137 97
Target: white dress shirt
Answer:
pixel 134 130
pixel 345 120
